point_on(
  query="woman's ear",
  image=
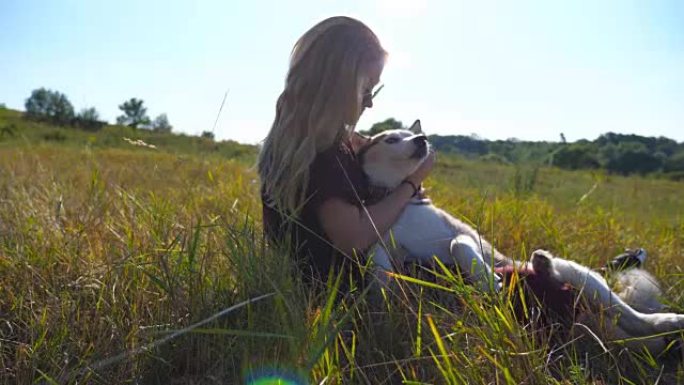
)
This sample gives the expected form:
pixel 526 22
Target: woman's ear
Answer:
pixel 358 141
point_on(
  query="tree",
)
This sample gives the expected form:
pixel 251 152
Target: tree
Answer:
pixel 667 146
pixel 675 163
pixel 466 145
pixel 134 114
pixel 61 111
pixel 387 124
pixel 633 157
pixel 576 156
pixel 53 106
pixel 161 124
pixel 37 105
pixel 207 135
pixel 89 114
pixel 88 119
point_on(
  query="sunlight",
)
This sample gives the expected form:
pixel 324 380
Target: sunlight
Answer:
pixel 402 8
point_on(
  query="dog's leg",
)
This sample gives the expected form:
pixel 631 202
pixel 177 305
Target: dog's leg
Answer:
pixel 596 291
pixel 468 255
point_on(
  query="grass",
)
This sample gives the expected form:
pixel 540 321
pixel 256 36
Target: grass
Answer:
pixel 17 131
pixel 107 249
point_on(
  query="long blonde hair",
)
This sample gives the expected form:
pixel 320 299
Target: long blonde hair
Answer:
pixel 319 106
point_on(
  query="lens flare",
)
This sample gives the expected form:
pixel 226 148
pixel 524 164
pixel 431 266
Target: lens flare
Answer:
pixel 274 377
pixel 273 380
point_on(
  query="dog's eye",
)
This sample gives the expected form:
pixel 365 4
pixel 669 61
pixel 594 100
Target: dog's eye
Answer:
pixel 391 140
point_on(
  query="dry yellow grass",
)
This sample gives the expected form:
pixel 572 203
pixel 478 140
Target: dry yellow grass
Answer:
pixel 103 251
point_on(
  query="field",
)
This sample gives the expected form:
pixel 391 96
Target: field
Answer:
pixel 109 252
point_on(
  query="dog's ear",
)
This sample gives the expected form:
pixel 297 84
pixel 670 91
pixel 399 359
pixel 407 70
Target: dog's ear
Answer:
pixel 416 128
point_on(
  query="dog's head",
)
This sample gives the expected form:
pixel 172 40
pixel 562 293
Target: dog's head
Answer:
pixel 391 156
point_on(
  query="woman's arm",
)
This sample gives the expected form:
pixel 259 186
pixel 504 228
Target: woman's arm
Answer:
pixel 349 227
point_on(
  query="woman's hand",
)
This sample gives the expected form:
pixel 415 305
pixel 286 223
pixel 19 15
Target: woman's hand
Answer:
pixel 423 170
pixel 350 228
pixel 358 141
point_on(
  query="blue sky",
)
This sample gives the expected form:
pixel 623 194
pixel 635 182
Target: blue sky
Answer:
pixel 499 69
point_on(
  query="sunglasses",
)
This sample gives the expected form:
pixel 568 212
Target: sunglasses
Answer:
pixel 372 94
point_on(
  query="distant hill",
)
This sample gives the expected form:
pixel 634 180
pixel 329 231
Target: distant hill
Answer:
pixel 15 129
pixel 615 153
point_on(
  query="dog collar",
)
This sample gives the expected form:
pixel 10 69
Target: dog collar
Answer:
pixel 376 194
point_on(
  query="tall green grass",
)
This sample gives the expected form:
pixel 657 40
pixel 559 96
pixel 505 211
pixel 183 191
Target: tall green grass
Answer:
pixel 107 251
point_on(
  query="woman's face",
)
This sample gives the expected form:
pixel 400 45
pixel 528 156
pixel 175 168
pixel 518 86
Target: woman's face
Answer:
pixel 370 79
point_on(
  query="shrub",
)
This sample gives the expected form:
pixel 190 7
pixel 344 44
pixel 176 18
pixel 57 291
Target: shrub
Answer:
pixel 88 119
pixel 51 106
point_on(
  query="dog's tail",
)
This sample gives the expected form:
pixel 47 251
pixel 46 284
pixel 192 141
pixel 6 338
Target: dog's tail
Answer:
pixel 640 290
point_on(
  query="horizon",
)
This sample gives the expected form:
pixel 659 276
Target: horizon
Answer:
pixel 529 71
pixel 473 136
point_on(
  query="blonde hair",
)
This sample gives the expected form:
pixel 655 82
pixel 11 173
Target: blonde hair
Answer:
pixel 320 105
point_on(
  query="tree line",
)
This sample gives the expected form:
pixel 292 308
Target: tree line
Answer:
pixel 54 107
pixel 616 153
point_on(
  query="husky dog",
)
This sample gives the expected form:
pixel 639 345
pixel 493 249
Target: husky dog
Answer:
pixel 634 312
pixel 425 232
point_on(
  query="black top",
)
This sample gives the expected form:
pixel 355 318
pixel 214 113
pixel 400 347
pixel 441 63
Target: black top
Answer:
pixel 335 173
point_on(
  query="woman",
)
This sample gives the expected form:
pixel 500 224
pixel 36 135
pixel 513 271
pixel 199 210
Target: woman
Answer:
pixel 313 187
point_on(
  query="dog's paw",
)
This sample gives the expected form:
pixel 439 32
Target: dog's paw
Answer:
pixel 631 258
pixel 641 255
pixel 542 262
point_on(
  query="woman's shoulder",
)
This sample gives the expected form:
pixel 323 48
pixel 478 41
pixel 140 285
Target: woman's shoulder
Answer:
pixel 337 172
pixel 342 151
pixel 335 158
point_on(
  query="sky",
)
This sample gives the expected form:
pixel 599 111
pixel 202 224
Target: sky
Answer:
pixel 529 70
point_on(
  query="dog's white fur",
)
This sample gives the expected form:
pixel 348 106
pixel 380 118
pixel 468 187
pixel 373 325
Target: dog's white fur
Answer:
pixel 423 230
pixel 639 289
pixel 636 290
pixel 426 232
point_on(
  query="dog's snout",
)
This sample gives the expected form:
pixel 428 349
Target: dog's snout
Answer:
pixel 420 140
pixel 420 143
